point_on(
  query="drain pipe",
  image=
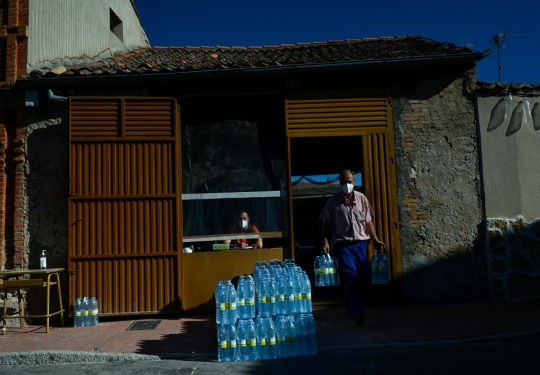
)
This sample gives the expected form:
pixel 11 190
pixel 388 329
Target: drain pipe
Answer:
pixel 55 98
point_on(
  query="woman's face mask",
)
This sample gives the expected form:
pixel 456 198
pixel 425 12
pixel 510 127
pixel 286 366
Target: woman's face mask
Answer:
pixel 243 223
pixel 347 188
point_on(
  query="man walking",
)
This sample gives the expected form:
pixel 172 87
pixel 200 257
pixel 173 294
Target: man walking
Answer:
pixel 347 229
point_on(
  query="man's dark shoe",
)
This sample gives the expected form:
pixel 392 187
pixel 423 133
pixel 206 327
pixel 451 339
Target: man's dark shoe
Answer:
pixel 360 318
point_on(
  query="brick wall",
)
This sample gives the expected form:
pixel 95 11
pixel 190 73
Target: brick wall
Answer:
pixel 13 39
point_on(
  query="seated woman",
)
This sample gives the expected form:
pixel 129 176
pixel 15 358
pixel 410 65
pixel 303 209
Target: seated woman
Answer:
pixel 243 225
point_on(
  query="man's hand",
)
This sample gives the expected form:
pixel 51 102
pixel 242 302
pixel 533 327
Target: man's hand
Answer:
pixel 379 246
pixel 325 248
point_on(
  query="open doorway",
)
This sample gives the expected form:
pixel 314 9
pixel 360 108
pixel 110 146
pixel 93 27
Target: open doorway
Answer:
pixel 315 166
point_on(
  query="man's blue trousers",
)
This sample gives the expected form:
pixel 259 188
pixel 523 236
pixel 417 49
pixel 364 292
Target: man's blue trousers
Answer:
pixel 353 267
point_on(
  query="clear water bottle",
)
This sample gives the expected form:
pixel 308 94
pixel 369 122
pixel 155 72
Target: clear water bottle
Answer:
pixel 227 343
pixel 248 294
pixel 280 293
pixel 286 336
pixel 312 335
pixel 77 310
pixel 329 271
pixel 85 312
pixel 241 301
pixel 297 289
pixel 288 303
pixel 231 313
pixel 266 338
pixel 317 271
pixel 375 269
pixel 305 284
pixel 219 296
pixel 94 312
pixel 383 269
pixel 302 322
pixel 246 340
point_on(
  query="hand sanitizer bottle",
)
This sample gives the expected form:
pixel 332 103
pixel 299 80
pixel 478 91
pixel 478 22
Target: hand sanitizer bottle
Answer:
pixel 43 260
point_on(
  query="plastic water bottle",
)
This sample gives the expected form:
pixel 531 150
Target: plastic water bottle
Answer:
pixel 288 303
pixel 227 343
pixel 246 297
pixel 312 335
pixel 85 312
pixel 241 301
pixel 230 315
pixel 297 289
pixel 266 338
pixel 375 269
pixel 246 340
pixel 305 287
pixel 286 336
pixel 219 295
pixel 280 293
pixel 77 309
pixel 383 269
pixel 94 312
pixel 317 271
pixel 302 322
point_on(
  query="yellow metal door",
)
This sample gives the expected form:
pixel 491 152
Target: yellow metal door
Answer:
pixel 371 119
pixel 124 204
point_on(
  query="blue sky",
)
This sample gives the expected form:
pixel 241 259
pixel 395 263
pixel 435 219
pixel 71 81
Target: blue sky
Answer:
pixel 254 23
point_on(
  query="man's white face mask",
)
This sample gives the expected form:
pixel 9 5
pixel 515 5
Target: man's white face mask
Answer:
pixel 243 223
pixel 347 188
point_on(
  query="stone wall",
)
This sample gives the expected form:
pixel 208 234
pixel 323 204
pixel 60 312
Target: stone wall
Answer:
pixel 514 258
pixel 439 191
pixel 40 179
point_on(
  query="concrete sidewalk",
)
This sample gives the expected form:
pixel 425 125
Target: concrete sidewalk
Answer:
pixel 190 336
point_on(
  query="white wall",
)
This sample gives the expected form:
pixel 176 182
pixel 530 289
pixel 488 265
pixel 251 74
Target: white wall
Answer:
pixel 510 164
pixel 63 32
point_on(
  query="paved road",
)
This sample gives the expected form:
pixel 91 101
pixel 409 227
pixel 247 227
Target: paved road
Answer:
pixel 519 356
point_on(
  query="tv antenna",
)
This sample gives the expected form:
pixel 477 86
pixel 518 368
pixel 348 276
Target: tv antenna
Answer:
pixel 499 41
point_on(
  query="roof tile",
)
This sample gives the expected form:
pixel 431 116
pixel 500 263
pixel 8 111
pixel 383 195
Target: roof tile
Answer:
pixel 170 59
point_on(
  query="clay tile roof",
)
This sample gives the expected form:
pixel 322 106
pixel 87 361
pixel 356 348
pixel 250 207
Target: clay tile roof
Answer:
pixel 150 60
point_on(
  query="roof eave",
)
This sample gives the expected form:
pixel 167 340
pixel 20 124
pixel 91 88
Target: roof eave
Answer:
pixel 63 81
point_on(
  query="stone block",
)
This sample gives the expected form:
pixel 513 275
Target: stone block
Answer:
pixel 519 285
pixel 498 290
pixel 535 227
pixel 499 267
pixel 499 251
pixel 519 262
pixel 495 236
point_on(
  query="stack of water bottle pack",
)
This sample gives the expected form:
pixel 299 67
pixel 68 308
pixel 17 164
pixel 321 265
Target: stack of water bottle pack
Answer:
pixel 325 269
pixel 86 312
pixel 267 315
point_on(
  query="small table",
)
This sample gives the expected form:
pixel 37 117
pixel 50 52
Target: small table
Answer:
pixel 18 282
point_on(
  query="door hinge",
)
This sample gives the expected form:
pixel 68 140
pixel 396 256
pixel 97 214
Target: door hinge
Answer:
pixel 393 159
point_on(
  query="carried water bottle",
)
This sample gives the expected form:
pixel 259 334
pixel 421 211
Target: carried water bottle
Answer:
pixel 94 312
pixel 227 343
pixel 318 271
pixel 85 312
pixel 375 269
pixel 383 269
pixel 77 309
